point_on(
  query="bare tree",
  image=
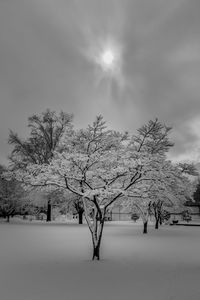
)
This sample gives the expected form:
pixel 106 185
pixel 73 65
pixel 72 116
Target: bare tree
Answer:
pixel 46 132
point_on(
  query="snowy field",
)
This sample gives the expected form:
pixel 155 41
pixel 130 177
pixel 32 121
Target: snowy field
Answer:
pixel 53 261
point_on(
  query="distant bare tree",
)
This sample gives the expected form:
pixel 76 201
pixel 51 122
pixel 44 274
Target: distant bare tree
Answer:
pixel 46 131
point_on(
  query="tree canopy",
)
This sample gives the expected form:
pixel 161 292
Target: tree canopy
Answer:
pixel 101 166
pixel 46 131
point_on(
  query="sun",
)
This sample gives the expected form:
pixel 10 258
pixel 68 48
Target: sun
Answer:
pixel 108 58
pixel 106 54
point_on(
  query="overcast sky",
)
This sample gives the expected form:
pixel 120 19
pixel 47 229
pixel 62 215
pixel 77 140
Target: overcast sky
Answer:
pixel 48 59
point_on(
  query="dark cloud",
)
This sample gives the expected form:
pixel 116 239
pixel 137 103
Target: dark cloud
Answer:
pixel 43 63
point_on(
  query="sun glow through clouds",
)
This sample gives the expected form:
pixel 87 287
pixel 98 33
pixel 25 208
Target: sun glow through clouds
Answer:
pixel 107 58
pixel 106 55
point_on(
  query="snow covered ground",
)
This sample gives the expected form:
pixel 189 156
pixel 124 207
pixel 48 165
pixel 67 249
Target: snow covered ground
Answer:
pixel 53 261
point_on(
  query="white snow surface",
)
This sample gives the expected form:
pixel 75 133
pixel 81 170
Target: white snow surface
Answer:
pixel 40 261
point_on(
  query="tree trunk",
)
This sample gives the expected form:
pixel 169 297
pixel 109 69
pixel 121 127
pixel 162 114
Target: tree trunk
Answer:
pixel 96 243
pixel 48 211
pixel 95 227
pixel 157 223
pixel 145 227
pixel 96 252
pixel 96 239
pixel 80 217
pixel 8 218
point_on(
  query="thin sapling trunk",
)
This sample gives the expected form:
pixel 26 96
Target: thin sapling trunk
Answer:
pixel 145 224
pixel 78 205
pixel 80 216
pixel 48 211
pixel 157 224
pixel 145 216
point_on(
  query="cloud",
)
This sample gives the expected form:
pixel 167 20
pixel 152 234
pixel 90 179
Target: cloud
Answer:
pixel 42 63
pixel 186 53
pixel 3 160
pixel 187 140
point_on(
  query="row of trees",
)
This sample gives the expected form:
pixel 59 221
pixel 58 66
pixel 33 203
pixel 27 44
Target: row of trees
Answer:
pixel 13 198
pixel 100 167
pixel 15 201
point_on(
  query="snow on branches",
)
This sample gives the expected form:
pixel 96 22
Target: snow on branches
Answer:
pixel 102 166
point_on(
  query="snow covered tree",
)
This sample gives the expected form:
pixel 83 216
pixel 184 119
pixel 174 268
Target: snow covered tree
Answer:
pixel 101 166
pixel 67 202
pixel 147 195
pixel 143 206
pixel 196 194
pixel 188 168
pixel 169 189
pixel 152 139
pixel 74 205
pixel 157 207
pixel 175 191
pixel 169 186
